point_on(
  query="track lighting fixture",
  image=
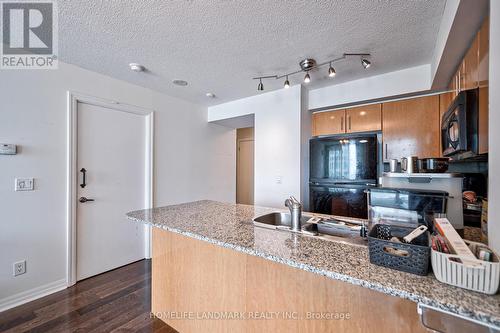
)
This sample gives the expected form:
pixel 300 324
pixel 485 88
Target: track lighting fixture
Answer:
pixel 366 64
pixel 331 71
pixel 287 83
pixel 307 78
pixel 260 87
pixel 309 64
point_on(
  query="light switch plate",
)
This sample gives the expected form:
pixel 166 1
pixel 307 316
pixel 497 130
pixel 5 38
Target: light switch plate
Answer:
pixel 8 149
pixel 25 184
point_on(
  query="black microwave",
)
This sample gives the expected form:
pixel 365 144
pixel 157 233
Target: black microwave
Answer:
pixel 459 126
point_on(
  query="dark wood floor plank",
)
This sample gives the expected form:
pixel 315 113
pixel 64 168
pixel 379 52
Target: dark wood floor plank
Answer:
pixel 62 303
pixel 117 301
pixel 141 323
pixel 99 317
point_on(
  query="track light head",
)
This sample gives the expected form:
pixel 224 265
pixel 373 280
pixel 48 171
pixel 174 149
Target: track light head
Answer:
pixel 307 78
pixel 331 71
pixel 287 83
pixel 260 87
pixel 366 64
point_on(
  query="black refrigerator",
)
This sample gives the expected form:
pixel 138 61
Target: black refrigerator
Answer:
pixel 341 169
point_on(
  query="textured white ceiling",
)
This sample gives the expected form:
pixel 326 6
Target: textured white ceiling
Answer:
pixel 218 46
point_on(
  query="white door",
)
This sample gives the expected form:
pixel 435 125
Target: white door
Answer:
pixel 111 149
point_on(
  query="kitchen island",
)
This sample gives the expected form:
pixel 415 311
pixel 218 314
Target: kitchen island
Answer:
pixel 213 270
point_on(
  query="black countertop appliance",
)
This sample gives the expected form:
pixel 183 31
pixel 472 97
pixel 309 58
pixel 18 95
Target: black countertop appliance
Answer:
pixel 459 127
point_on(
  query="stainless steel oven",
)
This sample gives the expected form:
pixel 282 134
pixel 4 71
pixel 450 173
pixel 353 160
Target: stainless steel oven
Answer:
pixel 459 127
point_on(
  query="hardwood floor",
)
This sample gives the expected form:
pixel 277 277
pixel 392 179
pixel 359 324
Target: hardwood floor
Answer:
pixel 116 301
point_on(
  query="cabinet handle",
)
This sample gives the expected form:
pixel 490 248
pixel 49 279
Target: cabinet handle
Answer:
pixel 349 117
pixel 341 123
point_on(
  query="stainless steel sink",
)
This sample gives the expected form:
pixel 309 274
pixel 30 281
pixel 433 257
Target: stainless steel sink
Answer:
pixel 326 228
pixel 274 220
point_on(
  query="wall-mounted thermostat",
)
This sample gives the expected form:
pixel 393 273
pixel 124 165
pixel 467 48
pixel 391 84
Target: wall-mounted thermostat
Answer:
pixel 8 149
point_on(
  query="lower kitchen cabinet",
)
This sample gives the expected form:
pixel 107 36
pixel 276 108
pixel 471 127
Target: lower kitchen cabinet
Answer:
pixel 224 281
pixel 411 127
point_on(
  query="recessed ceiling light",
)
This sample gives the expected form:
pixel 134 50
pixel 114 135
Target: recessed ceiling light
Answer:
pixel 210 95
pixel 181 83
pixel 136 67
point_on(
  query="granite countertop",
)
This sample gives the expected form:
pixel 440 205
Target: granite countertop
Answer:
pixel 230 226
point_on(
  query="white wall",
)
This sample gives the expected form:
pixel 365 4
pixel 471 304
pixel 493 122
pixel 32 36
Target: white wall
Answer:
pixel 194 160
pixel 277 141
pixel 494 130
pixel 405 81
pixel 450 11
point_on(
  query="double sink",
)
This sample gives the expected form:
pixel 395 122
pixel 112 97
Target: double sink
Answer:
pixel 328 228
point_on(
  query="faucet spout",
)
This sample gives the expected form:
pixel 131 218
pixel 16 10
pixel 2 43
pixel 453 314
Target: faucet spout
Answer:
pixel 295 211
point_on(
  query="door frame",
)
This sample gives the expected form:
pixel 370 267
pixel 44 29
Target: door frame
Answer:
pixel 73 98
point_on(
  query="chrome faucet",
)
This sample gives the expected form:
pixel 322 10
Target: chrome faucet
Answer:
pixel 296 212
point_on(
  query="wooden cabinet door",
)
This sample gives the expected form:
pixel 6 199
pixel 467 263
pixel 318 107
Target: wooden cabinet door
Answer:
pixel 444 103
pixel 328 123
pixel 453 87
pixel 483 62
pixel 470 66
pixel 364 118
pixel 411 127
pixel 483 78
pixel 461 76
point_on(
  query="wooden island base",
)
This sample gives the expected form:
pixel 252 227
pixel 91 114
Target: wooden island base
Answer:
pixel 195 285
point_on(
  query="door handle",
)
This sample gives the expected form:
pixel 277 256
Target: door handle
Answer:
pixel 84 178
pixel 83 199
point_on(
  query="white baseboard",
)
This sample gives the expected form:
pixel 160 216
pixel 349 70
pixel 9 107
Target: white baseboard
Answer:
pixel 32 294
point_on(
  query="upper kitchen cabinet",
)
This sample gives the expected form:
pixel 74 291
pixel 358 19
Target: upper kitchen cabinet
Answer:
pixel 357 119
pixel 473 70
pixel 470 66
pixel 484 45
pixel 364 118
pixel 444 103
pixel 328 123
pixel 483 79
pixel 411 127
